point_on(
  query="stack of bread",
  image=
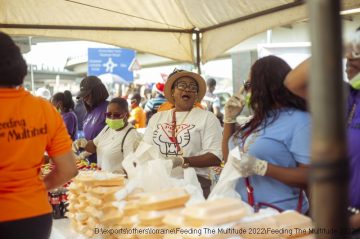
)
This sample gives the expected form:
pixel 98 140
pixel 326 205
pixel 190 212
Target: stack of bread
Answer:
pixel 153 207
pixel 289 224
pixel 91 201
pixel 212 215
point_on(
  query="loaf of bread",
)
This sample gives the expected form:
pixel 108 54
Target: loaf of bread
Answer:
pixel 155 218
pixel 215 212
pixel 165 199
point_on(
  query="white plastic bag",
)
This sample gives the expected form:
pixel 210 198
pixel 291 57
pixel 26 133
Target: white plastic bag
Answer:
pixel 229 176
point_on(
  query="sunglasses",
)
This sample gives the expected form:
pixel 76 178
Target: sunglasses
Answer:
pixel 114 115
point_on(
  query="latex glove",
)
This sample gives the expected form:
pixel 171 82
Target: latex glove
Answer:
pixel 78 144
pixel 176 161
pixel 234 106
pixel 249 165
pixel 83 155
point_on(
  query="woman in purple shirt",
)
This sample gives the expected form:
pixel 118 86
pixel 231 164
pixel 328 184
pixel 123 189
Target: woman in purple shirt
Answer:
pixel 65 105
pixel 94 94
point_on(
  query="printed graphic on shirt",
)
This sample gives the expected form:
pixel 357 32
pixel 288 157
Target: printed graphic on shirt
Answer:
pixel 17 130
pixel 163 137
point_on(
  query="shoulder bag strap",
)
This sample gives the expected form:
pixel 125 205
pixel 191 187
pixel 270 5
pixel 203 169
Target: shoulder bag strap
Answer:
pixel 123 141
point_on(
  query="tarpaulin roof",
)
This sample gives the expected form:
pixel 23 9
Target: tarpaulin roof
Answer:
pixel 161 27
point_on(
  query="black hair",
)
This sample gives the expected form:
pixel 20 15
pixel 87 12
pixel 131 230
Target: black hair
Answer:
pixel 122 103
pixel 268 93
pixel 66 99
pixel 211 82
pixel 137 97
pixel 13 68
pixel 98 95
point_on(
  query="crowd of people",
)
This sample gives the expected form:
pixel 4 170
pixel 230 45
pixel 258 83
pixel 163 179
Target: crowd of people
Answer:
pixel 270 150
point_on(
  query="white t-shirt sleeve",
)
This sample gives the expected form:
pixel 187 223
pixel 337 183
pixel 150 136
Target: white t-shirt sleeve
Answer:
pixel 100 135
pixel 148 135
pixel 212 136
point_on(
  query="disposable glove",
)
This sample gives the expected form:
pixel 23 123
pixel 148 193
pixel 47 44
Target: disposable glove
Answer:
pixel 78 144
pixel 83 155
pixel 234 106
pixel 176 161
pixel 248 165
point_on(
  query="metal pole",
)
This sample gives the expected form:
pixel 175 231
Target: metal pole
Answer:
pixel 198 58
pixel 329 158
pixel 31 71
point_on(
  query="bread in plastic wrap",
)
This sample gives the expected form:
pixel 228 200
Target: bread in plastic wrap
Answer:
pixel 129 221
pixel 258 229
pixel 100 178
pixel 278 226
pixel 289 220
pixel 131 207
pixel 164 199
pixel 136 194
pixel 155 217
pixel 173 220
pixel 113 218
pixel 216 212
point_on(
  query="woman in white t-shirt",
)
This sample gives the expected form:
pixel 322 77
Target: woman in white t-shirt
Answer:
pixel 188 135
pixel 110 143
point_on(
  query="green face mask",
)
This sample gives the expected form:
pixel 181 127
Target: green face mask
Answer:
pixel 247 99
pixel 115 123
pixel 355 82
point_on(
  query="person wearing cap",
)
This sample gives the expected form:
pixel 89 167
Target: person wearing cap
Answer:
pixel 153 104
pixel 94 94
pixel 29 126
pixel 271 151
pixel 297 81
pixel 187 135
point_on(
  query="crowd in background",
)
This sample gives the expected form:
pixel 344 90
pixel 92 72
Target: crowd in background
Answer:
pixel 270 151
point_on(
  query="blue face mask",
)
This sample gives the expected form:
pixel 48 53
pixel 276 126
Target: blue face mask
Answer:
pixel 355 82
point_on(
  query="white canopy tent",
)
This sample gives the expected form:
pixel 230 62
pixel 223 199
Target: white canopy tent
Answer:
pixel 161 27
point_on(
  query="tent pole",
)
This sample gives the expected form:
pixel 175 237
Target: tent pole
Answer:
pixel 329 163
pixel 31 70
pixel 198 58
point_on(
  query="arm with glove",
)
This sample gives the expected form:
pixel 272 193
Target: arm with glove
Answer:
pixel 232 108
pixel 88 148
pixel 248 165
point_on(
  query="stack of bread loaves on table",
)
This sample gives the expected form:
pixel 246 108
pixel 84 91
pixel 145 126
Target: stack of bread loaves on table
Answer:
pixel 91 197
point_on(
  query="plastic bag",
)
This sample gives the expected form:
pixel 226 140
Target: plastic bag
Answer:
pixel 146 169
pixel 229 176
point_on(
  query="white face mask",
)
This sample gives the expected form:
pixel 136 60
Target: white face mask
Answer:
pixel 355 82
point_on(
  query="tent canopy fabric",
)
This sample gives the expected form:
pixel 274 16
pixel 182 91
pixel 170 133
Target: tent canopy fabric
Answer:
pixel 161 27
